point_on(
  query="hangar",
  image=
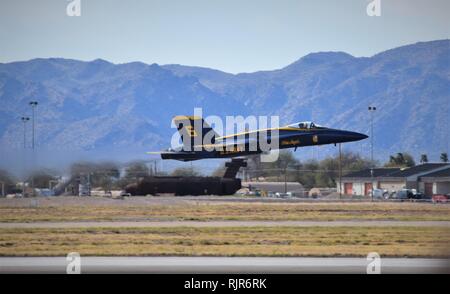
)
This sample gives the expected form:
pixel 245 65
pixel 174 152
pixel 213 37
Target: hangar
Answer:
pixel 428 178
pixel 436 182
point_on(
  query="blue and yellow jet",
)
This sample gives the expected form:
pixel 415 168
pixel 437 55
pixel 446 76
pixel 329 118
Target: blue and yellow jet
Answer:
pixel 194 131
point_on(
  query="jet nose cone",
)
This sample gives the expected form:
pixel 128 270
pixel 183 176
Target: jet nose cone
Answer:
pixel 354 136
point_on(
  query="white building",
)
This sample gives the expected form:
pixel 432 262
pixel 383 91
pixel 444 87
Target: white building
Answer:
pixel 428 178
pixel 437 182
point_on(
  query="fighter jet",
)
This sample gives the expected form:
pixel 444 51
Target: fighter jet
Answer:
pixel 194 132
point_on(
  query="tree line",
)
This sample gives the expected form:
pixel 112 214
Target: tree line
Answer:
pixel 310 173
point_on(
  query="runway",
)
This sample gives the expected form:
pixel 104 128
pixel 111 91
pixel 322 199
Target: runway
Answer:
pixel 125 224
pixel 201 265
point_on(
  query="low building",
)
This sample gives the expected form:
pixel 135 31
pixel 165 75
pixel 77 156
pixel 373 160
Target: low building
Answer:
pixel 437 182
pixel 426 178
pixel 362 182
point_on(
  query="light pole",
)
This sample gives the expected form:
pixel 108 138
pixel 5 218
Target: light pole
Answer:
pixel 340 171
pixel 33 105
pixel 371 111
pixel 371 178
pixel 24 119
pixel 448 126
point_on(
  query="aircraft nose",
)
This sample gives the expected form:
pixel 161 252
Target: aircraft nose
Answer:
pixel 354 136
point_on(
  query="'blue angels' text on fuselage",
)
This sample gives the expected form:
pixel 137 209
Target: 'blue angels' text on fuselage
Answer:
pixel 194 132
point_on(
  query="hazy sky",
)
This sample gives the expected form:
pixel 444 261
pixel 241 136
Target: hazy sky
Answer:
pixel 233 35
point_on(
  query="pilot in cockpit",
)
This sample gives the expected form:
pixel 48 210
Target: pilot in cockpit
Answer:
pixel 304 125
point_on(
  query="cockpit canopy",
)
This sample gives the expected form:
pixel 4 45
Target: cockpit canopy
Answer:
pixel 305 125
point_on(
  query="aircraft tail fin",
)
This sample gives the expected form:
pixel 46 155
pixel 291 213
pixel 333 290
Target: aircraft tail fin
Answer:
pixel 194 131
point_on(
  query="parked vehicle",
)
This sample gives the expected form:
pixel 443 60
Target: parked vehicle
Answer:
pixel 271 194
pixel 417 195
pixel 282 195
pixel 379 194
pixel 403 194
pixel 407 194
pixel 440 198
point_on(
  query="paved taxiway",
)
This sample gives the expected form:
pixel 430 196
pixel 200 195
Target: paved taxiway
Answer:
pixel 124 224
pixel 192 265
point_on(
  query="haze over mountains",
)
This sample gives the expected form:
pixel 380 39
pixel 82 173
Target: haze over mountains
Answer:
pixel 126 109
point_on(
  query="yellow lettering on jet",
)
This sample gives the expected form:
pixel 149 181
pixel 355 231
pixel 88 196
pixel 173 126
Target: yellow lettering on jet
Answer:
pixel 290 142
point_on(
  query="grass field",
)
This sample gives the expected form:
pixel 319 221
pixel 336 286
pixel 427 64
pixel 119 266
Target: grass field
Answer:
pixel 207 211
pixel 234 241
pixel 394 241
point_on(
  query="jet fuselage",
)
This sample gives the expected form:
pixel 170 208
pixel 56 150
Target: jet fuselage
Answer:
pixel 250 143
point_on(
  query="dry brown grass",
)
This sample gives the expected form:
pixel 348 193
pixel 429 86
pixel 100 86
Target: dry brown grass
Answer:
pixel 234 241
pixel 206 211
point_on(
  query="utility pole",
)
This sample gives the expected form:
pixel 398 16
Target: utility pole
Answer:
pixel 371 178
pixel 371 111
pixel 340 171
pixel 33 105
pixel 447 127
pixel 25 119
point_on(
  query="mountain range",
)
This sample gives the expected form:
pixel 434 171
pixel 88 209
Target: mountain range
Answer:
pixel 125 109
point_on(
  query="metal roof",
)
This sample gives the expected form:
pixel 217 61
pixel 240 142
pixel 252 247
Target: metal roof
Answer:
pixel 421 168
pixel 402 173
pixel 436 174
pixel 377 172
